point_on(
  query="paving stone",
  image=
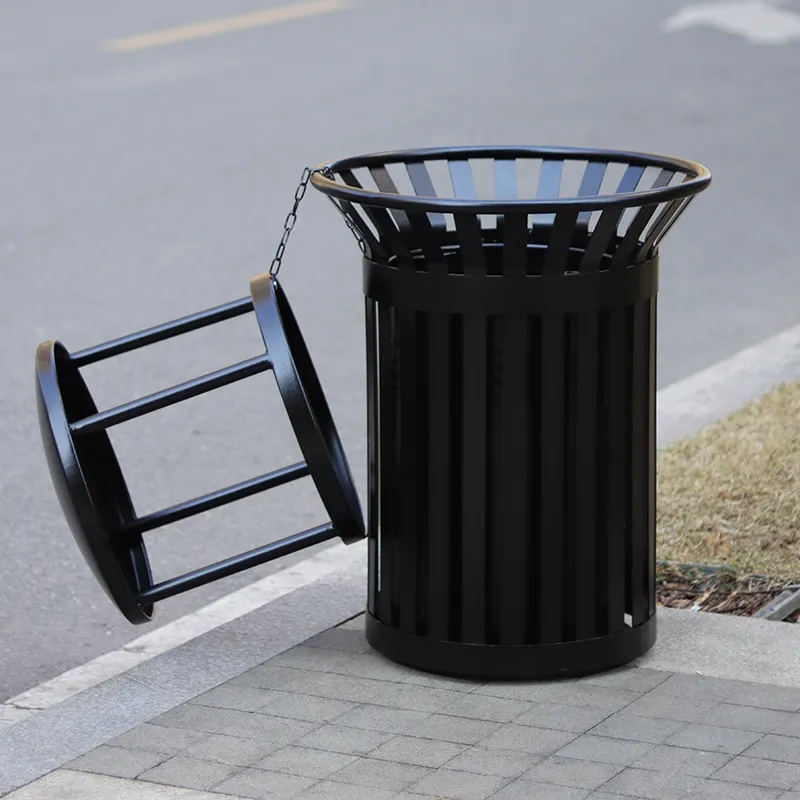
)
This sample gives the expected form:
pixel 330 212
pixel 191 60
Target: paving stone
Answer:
pixel 305 762
pixel 328 790
pixel 538 692
pixel 561 717
pixel 270 676
pixel 710 789
pixel 409 796
pixel 338 739
pixel 747 718
pixel 759 772
pixel 601 795
pixel 463 685
pixel 410 697
pixel 572 772
pixel 238 723
pixel 311 658
pixel 381 718
pixel 495 761
pixel 454 729
pixel 337 687
pixel 374 666
pixel 347 640
pixel 117 761
pixel 189 772
pixel 67 784
pixel 262 785
pixel 696 687
pixel 713 739
pixel 380 774
pixel 457 785
pixel 158 739
pixel 777 748
pixel 637 679
pixel 231 750
pixel 530 740
pixel 638 729
pixel 525 790
pixel 241 698
pixel 354 623
pixel 422 752
pixel 201 718
pixel 305 707
pixel 605 750
pixel 484 707
pixel 682 760
pixel 596 697
pixel 777 698
pixel 286 732
pixel 790 726
pixel 653 785
pixel 668 707
pixel 377 667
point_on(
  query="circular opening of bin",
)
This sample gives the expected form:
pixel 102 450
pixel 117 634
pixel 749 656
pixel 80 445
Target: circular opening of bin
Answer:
pixel 328 179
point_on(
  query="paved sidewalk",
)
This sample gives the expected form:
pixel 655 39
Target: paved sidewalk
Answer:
pixel 331 720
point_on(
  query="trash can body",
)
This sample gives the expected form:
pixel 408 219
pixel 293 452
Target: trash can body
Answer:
pixel 512 472
pixel 511 425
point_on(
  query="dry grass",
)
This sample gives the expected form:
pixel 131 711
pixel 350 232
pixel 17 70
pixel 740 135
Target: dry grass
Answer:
pixel 731 494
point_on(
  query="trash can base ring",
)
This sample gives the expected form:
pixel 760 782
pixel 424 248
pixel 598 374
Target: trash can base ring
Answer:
pixel 511 662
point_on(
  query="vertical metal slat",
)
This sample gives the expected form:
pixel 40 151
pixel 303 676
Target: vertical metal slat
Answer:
pixel 638 533
pixel 474 456
pixel 406 485
pixel 651 459
pixel 387 454
pixel 510 539
pixel 423 186
pixel 373 444
pixel 617 459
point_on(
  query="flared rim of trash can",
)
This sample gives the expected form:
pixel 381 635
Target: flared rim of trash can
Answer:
pixel 699 178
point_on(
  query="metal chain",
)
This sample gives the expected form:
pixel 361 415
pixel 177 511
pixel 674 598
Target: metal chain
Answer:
pixel 291 219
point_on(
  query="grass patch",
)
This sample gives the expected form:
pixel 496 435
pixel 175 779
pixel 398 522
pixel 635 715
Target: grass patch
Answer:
pixel 730 495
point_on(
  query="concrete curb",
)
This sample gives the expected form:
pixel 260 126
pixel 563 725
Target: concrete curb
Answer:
pixel 34 747
pixel 686 407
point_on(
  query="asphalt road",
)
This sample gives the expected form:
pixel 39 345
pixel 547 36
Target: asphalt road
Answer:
pixel 139 186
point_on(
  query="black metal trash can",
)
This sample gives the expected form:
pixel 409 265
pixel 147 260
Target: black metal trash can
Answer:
pixel 511 401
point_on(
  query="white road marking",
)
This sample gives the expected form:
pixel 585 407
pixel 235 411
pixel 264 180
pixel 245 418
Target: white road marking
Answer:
pixel 755 20
pixel 180 631
pixel 683 408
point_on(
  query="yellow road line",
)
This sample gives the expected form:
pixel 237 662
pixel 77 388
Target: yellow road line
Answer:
pixel 217 27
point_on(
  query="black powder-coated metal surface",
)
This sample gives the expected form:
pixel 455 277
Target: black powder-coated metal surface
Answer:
pixel 511 402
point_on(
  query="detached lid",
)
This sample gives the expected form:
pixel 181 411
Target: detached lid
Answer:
pixel 90 484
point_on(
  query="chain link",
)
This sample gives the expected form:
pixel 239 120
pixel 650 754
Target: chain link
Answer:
pixel 291 219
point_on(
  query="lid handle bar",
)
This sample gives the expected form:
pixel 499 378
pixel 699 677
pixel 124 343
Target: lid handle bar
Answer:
pixel 230 566
pixel 172 395
pixel 221 497
pixel 158 333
